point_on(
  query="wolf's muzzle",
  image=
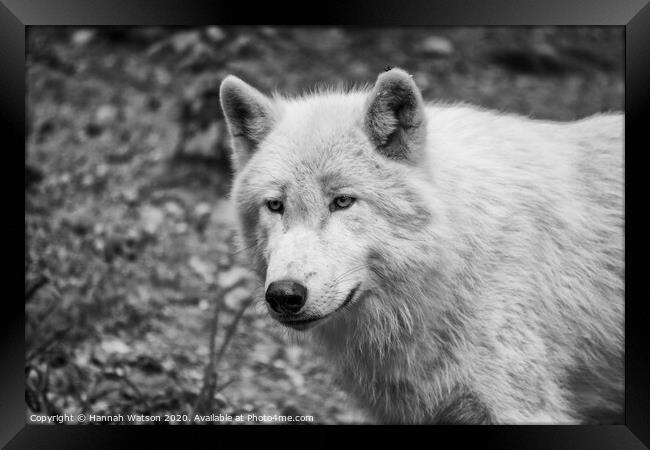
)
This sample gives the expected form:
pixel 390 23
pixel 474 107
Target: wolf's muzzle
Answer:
pixel 286 296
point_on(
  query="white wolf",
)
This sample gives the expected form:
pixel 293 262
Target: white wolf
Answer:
pixel 457 265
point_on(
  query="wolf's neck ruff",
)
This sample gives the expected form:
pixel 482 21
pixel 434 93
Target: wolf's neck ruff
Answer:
pixel 390 357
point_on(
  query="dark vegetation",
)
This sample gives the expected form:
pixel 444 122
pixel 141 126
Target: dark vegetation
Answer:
pixel 136 299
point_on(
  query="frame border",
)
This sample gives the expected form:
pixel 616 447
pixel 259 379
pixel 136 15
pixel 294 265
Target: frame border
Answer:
pixel 634 15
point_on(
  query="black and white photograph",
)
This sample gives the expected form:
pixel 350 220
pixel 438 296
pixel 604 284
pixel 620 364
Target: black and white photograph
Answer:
pixel 324 225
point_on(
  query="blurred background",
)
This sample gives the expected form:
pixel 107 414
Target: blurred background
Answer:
pixel 136 299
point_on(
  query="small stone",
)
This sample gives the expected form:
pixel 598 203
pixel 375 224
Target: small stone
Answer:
pixel 236 297
pixel 295 376
pixel 162 76
pixel 204 304
pixel 437 45
pixel 174 209
pixel 231 277
pixel 181 42
pixel 202 209
pixel 215 34
pixel 87 180
pixel 115 346
pixel 268 31
pixel 82 37
pixel 168 364
pixel 105 114
pixel 101 171
pixel 202 268
pixel 152 218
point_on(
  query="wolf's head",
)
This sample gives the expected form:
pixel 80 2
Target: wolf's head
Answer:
pixel 328 188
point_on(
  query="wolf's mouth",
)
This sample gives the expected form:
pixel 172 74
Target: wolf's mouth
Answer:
pixel 303 324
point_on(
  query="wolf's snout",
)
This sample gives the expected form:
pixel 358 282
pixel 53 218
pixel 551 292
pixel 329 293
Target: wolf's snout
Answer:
pixel 286 296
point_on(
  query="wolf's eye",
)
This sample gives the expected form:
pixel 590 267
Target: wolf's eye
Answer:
pixel 342 202
pixel 275 206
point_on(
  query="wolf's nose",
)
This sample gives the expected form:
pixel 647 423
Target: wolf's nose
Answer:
pixel 286 296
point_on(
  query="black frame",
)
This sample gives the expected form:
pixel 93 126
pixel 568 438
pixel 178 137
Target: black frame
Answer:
pixel 634 15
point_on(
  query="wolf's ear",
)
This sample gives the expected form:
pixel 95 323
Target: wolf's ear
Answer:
pixel 249 115
pixel 394 118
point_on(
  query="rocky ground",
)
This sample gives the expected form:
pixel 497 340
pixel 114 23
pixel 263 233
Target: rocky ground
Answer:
pixel 129 247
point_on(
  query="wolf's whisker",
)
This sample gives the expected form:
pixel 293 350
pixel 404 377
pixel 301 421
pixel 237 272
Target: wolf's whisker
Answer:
pixel 353 270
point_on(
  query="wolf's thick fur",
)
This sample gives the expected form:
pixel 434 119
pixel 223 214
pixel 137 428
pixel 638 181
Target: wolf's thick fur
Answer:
pixel 486 248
